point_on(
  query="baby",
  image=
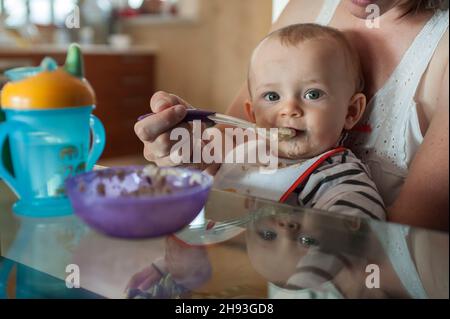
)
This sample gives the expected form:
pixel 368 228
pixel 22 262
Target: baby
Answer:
pixel 307 78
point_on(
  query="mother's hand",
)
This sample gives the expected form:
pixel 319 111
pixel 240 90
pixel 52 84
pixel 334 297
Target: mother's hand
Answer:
pixel 154 131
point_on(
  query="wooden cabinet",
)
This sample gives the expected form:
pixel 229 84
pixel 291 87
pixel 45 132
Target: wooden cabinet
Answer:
pixel 123 83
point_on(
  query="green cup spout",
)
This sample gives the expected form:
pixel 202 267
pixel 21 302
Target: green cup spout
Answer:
pixel 74 61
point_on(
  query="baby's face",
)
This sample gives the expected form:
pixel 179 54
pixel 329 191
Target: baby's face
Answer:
pixel 307 87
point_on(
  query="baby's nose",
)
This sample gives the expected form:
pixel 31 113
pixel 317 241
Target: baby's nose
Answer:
pixel 291 109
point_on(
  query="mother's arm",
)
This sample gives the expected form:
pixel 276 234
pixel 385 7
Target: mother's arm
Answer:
pixel 423 200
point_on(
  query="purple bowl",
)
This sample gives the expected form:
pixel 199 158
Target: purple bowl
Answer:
pixel 97 199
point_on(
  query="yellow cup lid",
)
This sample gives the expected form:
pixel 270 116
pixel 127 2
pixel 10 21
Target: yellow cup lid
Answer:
pixel 49 87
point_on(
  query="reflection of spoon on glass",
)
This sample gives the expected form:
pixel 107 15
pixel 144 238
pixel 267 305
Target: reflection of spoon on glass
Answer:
pixel 207 232
pixel 213 232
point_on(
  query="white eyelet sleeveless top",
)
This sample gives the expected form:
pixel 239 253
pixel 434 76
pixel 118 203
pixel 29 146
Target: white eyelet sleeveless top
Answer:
pixel 396 136
pixel 392 114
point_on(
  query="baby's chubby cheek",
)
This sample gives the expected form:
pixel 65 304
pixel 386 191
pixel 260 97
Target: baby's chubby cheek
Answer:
pixel 263 118
pixel 263 123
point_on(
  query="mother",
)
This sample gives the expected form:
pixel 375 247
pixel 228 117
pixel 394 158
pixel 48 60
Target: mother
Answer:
pixel 404 57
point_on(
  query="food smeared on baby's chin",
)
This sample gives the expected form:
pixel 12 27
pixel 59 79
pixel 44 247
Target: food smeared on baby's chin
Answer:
pixel 298 147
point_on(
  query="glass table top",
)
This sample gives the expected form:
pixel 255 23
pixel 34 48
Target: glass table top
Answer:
pixel 238 247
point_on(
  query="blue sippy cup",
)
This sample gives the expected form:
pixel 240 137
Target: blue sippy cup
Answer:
pixel 51 131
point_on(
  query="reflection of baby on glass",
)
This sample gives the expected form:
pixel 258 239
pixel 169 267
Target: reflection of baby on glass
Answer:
pixel 308 255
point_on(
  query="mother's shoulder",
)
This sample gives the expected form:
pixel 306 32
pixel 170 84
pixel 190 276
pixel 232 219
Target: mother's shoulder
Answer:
pixel 440 57
pixel 430 88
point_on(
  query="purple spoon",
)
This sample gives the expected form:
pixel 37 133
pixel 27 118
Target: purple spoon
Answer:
pixel 210 118
pixel 191 115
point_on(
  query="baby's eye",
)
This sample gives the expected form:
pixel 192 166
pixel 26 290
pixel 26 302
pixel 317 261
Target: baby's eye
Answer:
pixel 267 235
pixel 313 94
pixel 271 96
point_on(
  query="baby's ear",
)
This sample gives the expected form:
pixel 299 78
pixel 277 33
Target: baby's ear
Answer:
pixel 249 111
pixel 355 110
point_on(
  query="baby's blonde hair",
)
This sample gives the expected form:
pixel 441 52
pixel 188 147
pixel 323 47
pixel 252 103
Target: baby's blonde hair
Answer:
pixel 294 34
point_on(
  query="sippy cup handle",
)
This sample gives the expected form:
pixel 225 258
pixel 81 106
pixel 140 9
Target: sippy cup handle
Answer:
pixel 98 141
pixel 5 129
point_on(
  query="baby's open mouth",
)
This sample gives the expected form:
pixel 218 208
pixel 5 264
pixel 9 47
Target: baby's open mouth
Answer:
pixel 286 133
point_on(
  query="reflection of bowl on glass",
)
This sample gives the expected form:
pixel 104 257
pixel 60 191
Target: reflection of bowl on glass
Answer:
pixel 132 203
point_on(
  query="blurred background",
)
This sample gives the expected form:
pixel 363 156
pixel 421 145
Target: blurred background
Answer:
pixel 198 49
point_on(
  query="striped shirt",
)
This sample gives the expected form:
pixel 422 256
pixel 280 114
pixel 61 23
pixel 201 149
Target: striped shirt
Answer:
pixel 341 184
